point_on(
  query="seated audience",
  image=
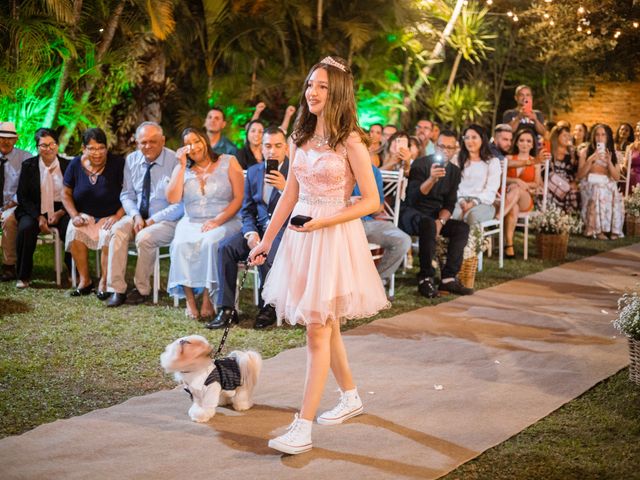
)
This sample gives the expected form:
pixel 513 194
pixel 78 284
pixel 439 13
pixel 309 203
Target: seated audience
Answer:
pixel 210 186
pixel 91 197
pixel 598 173
pixel 414 147
pixel 524 114
pixel 11 159
pixel 394 242
pixel 502 141
pixel 397 154
pixel 150 219
pixel 632 160
pixel 524 178
pixel 261 195
pixel 435 132
pixel 431 198
pixel 387 131
pixel 375 147
pixel 479 178
pixel 624 137
pixel 251 152
pixel 580 137
pixel 214 125
pixel 424 131
pixel 40 202
pixel 563 163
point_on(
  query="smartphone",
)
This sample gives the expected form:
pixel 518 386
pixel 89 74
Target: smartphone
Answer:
pixel 402 142
pixel 299 220
pixel 600 147
pixel 527 107
pixel 272 165
pixel 438 159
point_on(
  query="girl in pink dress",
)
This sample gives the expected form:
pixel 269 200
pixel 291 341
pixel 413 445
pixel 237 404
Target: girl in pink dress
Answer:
pixel 323 272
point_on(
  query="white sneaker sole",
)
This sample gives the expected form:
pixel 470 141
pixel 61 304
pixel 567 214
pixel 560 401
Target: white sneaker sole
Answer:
pixel 336 421
pixel 290 449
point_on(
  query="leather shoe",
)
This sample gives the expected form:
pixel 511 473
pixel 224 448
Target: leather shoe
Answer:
pixel 134 297
pixel 426 287
pixel 81 292
pixel 102 295
pixel 224 315
pixel 116 300
pixel 266 317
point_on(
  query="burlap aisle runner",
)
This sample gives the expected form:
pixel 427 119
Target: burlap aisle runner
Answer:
pixel 440 385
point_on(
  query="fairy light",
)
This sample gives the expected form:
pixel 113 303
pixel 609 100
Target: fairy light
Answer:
pixel 588 31
pixel 581 10
pixel 515 18
pixel 489 2
pixel 636 24
pixel 552 23
pixel 509 13
pixel 579 28
pixel 617 34
pixel 546 15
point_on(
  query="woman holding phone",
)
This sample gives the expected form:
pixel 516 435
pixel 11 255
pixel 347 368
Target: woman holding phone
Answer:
pixel 312 281
pixel 211 187
pixel 397 154
pixel 598 173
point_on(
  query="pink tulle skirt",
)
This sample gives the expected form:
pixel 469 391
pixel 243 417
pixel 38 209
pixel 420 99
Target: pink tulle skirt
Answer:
pixel 324 275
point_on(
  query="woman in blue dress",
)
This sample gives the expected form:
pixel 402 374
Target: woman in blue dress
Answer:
pixel 211 187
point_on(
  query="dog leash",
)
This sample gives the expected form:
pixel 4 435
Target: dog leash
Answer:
pixel 234 313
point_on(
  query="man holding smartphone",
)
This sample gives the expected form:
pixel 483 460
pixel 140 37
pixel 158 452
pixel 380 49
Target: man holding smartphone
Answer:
pixel 524 112
pixel 262 189
pixel 431 198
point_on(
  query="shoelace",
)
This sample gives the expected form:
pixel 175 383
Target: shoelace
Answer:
pixel 343 404
pixel 293 427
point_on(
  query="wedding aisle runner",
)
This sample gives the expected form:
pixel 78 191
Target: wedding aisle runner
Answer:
pixel 440 385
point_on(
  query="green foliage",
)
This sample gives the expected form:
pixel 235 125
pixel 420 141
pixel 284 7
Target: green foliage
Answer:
pixel 377 108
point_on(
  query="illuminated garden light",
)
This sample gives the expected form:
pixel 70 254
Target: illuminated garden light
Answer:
pixel 515 18
pixel 635 24
pixel 581 10
pixel 489 2
pixel 509 13
pixel 589 31
pixel 552 23
pixel 579 28
pixel 546 15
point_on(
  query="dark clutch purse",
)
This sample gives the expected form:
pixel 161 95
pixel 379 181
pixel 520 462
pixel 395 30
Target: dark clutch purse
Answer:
pixel 299 220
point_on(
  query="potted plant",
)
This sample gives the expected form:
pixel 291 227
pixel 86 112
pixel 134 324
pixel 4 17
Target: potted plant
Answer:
pixel 628 323
pixel 554 226
pixel 632 211
pixel 475 245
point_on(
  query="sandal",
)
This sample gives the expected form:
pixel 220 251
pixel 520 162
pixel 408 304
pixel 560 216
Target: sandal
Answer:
pixel 602 236
pixel 509 256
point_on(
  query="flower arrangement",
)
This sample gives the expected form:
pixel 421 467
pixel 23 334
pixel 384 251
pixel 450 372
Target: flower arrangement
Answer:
pixel 475 244
pixel 628 321
pixel 555 221
pixel 632 202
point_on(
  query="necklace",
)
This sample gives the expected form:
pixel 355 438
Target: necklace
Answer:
pixel 202 174
pixel 93 175
pixel 319 141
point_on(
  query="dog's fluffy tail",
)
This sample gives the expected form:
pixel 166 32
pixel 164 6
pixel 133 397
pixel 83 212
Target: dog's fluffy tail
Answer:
pixel 250 364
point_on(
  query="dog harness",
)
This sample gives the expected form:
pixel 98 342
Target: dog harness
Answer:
pixel 226 372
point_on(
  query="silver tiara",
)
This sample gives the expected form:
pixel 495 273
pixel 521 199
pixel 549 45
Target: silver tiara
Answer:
pixel 333 63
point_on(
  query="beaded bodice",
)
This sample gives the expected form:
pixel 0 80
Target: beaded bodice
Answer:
pixel 323 174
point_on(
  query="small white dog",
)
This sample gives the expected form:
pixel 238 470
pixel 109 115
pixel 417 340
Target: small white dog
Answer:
pixel 230 379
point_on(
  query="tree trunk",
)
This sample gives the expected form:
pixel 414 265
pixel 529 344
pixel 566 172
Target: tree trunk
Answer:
pixel 105 44
pixel 454 71
pixel 51 118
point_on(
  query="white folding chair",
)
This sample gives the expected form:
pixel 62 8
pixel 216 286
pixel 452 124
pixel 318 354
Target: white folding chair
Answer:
pixel 523 218
pixel 156 268
pixel 495 226
pixel 58 251
pixel 393 185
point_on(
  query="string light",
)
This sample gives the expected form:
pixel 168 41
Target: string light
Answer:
pixel 489 2
pixel 579 28
pixel 589 31
pixel 546 15
pixel 581 10
pixel 636 24
pixel 552 23
pixel 509 13
pixel 617 34
pixel 515 18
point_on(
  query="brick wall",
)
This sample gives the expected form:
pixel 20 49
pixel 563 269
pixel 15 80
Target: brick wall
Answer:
pixel 596 101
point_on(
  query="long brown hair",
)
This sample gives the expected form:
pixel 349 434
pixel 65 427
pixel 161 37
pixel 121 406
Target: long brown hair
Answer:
pixel 340 115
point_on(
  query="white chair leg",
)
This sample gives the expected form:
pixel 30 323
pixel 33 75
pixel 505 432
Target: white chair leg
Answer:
pixel 74 278
pixel 480 256
pixel 256 286
pixel 57 253
pixel 156 276
pixel 392 286
pixel 526 239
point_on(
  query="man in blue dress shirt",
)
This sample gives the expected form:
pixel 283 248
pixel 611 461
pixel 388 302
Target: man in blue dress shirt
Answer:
pixel 150 219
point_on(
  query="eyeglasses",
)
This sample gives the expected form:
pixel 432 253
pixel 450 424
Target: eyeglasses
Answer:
pixel 47 146
pixel 98 149
pixel 446 147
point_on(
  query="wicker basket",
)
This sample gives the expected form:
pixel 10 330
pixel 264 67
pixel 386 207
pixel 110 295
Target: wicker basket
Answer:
pixel 632 225
pixel 552 246
pixel 634 361
pixel 467 273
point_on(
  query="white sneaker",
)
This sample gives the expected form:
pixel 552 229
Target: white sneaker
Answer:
pixel 348 407
pixel 296 440
pixel 22 284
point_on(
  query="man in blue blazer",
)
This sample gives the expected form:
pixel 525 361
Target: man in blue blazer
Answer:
pixel 261 194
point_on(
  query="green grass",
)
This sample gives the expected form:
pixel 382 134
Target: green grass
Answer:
pixel 62 356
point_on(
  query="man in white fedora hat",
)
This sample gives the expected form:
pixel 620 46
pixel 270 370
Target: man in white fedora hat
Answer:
pixel 11 159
